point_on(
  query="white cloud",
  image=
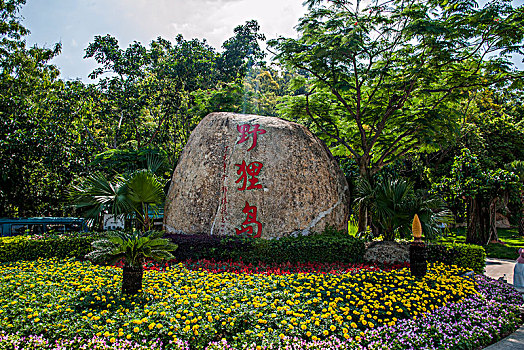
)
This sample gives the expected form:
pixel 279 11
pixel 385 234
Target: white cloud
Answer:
pixel 75 23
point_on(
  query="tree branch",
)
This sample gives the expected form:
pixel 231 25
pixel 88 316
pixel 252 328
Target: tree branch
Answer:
pixel 335 136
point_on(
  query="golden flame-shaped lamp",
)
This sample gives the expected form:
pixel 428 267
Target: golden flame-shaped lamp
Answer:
pixel 416 227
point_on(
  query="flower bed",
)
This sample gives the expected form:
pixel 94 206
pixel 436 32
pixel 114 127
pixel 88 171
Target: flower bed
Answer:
pixel 68 301
pixel 269 269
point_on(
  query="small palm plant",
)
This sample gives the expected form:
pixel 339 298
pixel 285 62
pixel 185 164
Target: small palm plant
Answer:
pixel 134 248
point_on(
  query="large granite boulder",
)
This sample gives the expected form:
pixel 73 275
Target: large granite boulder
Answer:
pixel 255 176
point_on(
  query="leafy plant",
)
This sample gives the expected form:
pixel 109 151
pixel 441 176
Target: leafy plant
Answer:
pixel 135 194
pixel 482 188
pixel 133 248
pixel 393 203
pixel 517 167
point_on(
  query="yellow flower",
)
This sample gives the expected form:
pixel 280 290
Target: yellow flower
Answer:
pixel 136 329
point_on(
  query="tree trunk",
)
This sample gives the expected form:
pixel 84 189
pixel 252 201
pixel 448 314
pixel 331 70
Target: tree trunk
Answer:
pixel 132 279
pixel 521 222
pixel 479 229
pixel 363 165
pixel 493 235
pixel 362 219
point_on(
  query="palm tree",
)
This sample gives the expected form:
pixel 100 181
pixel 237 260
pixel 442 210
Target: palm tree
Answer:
pixel 97 194
pixel 145 192
pixel 134 247
pixel 135 194
pixel 392 204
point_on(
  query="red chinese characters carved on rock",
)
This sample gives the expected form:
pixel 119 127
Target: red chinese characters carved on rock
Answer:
pixel 245 132
pixel 253 170
pixel 251 219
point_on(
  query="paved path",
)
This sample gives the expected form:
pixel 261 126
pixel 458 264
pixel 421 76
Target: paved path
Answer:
pixel 496 268
pixel 515 341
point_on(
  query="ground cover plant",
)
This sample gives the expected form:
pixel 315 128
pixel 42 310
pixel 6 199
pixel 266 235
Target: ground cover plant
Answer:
pixel 67 299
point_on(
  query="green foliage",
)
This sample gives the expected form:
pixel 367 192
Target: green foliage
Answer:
pixel 326 247
pixel 96 194
pixel 32 248
pixel 507 250
pixel 353 227
pixel 133 247
pixel 393 203
pixel 41 148
pixel 126 161
pixel 241 52
pixel 137 193
pixel 382 78
pixel 470 178
pixel 149 99
pixel 313 248
pixel 145 192
pixel 468 256
pixel 482 187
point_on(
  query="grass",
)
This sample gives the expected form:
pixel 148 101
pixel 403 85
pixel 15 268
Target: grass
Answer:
pixel 493 250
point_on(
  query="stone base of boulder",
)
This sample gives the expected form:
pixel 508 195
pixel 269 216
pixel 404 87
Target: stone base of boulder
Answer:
pixel 386 252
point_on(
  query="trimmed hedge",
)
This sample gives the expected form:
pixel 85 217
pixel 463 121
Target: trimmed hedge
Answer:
pixel 314 248
pixel 25 248
pixel 210 247
pixel 326 247
pixel 469 256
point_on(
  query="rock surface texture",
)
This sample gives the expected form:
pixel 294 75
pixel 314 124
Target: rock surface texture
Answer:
pixel 386 252
pixel 255 176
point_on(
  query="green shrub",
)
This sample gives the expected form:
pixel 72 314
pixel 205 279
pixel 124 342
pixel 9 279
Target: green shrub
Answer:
pixel 469 256
pixel 314 248
pixel 27 248
pixel 326 247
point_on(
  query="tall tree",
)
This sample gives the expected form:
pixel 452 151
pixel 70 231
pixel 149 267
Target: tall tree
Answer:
pixel 241 52
pixel 124 100
pixel 482 189
pixel 383 76
pixel 40 146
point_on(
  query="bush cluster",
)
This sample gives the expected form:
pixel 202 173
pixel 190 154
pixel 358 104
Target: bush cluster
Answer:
pixel 31 248
pixel 468 256
pixel 329 247
pixel 315 248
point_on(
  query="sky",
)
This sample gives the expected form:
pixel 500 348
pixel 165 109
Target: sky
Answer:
pixel 75 23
